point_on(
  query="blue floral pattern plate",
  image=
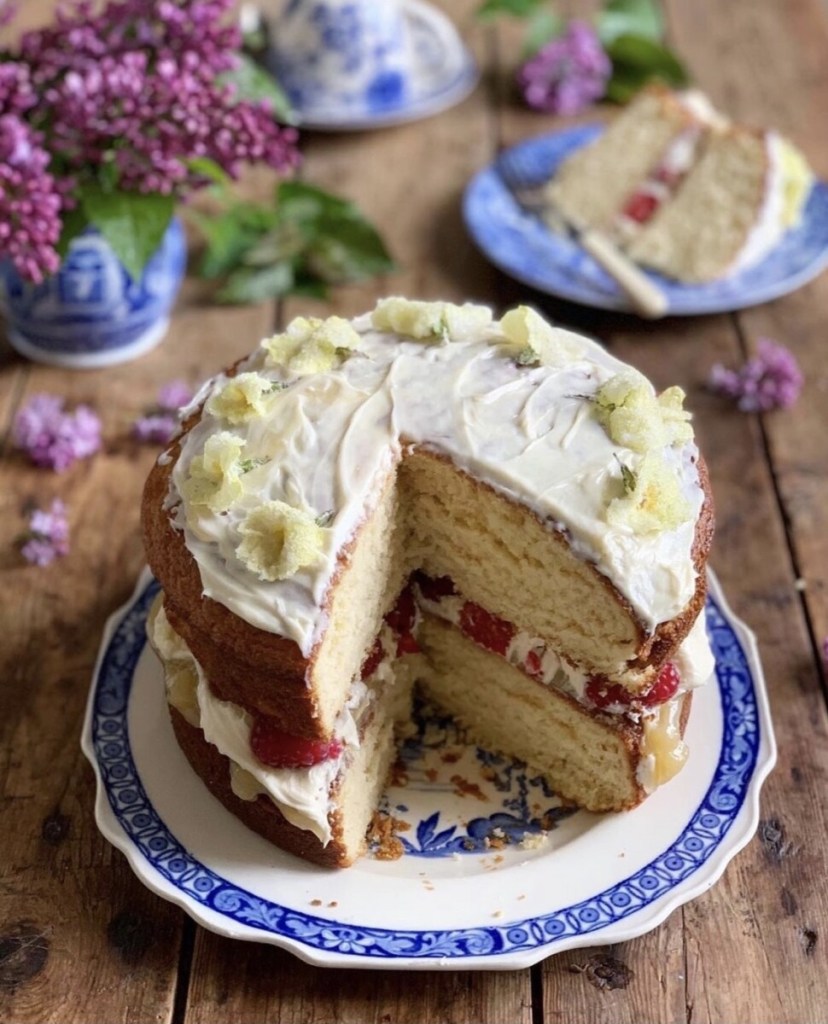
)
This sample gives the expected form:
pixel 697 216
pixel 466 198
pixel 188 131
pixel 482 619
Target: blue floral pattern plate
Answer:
pixel 520 244
pixel 496 874
pixel 442 73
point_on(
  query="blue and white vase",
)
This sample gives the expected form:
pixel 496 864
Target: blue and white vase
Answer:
pixel 91 312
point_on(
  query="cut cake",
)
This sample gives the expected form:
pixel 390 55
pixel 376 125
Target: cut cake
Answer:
pixel 499 510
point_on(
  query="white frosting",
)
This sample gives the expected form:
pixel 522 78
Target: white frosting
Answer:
pixel 694 659
pixel 332 438
pixel 301 794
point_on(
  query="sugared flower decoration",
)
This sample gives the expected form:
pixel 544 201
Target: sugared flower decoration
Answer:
pixel 215 478
pixel 635 417
pixel 52 436
pixel 430 321
pixel 244 397
pixel 310 345
pixel 536 341
pixel 48 535
pixel 279 540
pixel 652 501
pixel 568 74
pixel 159 424
pixel 769 380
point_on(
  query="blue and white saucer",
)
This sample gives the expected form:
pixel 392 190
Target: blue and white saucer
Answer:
pixel 442 73
pixel 469 891
pixel 521 245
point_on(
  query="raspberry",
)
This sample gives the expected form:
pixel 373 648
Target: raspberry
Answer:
pixel 372 662
pixel 407 644
pixel 485 629
pixel 640 207
pixel 604 694
pixel 533 666
pixel 281 750
pixel 402 616
pixel 434 588
pixel 664 687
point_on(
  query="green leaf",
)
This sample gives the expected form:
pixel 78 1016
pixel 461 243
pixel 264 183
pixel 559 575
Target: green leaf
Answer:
pixel 299 202
pixel 347 250
pixel 209 169
pixel 630 18
pixel 230 235
pixel 635 61
pixel 285 241
pixel 75 223
pixel 132 223
pixel 514 8
pixel 254 84
pixel 543 26
pixel 257 285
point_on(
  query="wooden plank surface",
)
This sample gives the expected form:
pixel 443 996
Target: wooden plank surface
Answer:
pixel 81 940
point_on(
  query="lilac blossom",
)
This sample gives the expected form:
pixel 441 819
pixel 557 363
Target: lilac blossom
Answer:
pixel 160 423
pixel 769 380
pixel 48 535
pixel 126 95
pixel 30 203
pixel 568 74
pixel 138 86
pixel 53 437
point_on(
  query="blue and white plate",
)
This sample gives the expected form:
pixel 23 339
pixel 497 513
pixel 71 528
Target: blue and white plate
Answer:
pixel 469 892
pixel 442 73
pixel 521 245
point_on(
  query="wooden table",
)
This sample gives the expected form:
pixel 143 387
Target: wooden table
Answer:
pixel 82 940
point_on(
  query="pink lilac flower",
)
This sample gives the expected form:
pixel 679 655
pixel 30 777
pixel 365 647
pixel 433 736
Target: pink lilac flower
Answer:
pixel 769 380
pixel 137 85
pixel 159 424
pixel 30 203
pixel 568 74
pixel 48 536
pixel 53 437
pixel 172 396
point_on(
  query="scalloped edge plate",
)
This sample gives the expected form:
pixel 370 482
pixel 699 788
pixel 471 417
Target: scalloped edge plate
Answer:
pixel 522 246
pixel 598 879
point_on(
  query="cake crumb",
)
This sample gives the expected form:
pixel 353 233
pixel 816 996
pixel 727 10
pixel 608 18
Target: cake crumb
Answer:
pixel 450 757
pixel 498 913
pixel 316 903
pixel 382 835
pixel 522 896
pixel 801 584
pixel 533 840
pixel 462 787
pixel 431 774
pixel 334 903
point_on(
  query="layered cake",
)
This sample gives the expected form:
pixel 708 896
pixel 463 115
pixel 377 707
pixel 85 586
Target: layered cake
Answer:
pixel 682 189
pixel 498 511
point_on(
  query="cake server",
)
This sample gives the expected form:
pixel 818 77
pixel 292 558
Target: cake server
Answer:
pixel 646 297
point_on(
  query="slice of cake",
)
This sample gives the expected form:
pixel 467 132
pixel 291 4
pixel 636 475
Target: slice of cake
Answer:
pixel 682 189
pixel 499 510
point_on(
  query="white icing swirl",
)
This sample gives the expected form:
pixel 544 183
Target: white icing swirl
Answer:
pixel 332 438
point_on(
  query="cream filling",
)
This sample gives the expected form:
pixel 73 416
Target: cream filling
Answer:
pixel 331 440
pixel 694 659
pixel 301 794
